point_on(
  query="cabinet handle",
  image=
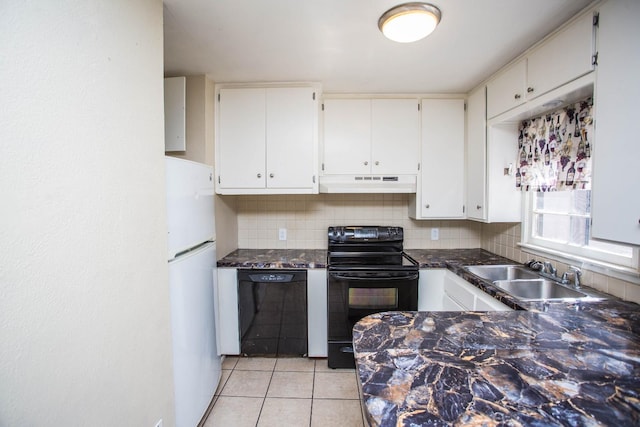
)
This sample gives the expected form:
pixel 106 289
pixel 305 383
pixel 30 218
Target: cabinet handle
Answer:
pixel 478 207
pixel 271 175
pixel 529 89
pixel 259 175
pixel 427 206
pixel 366 163
pixel 517 96
pixel 377 163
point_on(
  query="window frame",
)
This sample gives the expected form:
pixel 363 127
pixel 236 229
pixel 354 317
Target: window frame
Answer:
pixel 572 253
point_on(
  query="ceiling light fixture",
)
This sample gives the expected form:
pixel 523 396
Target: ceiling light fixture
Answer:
pixel 409 22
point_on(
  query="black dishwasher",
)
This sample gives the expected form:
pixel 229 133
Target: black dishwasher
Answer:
pixel 272 311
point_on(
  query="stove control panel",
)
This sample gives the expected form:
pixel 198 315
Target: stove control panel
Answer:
pixel 365 234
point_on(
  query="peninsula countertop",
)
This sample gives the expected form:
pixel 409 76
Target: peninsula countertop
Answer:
pixel 576 365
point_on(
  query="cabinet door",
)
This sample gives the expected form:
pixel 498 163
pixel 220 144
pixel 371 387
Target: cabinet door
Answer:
pixel 431 289
pixel 226 311
pixel 395 136
pixel 290 128
pixel 241 138
pixel 476 155
pixel 563 58
pixel 616 205
pixel 442 174
pixel 347 136
pixel 503 198
pixel 507 90
pixel 317 312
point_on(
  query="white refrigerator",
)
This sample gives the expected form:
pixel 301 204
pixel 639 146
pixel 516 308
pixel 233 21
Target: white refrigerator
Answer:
pixel 192 271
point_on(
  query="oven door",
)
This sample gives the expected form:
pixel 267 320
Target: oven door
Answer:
pixel 356 294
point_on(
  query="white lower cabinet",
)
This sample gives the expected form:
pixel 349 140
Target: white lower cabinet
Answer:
pixel 317 312
pixel 226 312
pixel 225 294
pixel 443 290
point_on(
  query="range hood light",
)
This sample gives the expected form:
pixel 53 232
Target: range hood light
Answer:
pixel 409 22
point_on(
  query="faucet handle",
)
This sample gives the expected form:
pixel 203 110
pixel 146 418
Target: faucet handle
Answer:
pixel 577 275
pixel 548 267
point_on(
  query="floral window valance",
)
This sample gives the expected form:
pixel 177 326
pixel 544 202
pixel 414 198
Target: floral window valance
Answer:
pixel 555 150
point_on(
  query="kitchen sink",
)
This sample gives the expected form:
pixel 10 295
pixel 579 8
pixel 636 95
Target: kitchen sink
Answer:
pixel 540 289
pixel 502 272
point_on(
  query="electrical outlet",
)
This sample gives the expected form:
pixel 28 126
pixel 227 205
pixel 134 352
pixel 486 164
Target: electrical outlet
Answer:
pixel 435 233
pixel 159 423
pixel 282 234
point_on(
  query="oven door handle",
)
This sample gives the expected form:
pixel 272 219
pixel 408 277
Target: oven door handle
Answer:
pixel 411 276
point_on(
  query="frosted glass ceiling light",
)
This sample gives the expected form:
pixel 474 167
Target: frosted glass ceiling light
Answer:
pixel 409 22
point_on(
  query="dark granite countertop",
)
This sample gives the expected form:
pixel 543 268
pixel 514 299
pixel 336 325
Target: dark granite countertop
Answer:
pixel 275 258
pixel 578 367
pixel 317 258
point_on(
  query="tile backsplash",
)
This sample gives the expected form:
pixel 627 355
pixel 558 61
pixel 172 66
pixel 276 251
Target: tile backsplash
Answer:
pixel 306 218
pixel 502 239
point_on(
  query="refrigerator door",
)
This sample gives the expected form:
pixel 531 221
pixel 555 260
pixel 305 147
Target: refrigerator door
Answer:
pixel 190 210
pixel 196 364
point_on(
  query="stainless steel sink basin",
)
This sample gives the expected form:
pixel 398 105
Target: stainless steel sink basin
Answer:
pixel 502 272
pixel 539 289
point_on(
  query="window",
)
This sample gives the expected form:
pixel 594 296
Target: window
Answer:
pixel 560 221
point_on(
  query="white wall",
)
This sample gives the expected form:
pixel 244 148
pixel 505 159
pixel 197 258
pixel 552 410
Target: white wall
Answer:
pixel 84 305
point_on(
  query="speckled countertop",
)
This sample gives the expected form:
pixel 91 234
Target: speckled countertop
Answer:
pixel 275 258
pixel 573 367
pixel 317 258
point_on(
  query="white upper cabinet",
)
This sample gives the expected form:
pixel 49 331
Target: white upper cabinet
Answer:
pixel 562 58
pixel 441 180
pixel 476 154
pixel 616 205
pixel 395 136
pixel 507 90
pixel 175 114
pixel 371 136
pixel 347 136
pixel 491 155
pixel 267 140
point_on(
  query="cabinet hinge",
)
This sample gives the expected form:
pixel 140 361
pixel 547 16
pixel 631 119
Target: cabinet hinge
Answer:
pixel 594 59
pixel 596 19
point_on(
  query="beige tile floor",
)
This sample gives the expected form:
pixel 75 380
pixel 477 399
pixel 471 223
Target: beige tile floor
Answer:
pixel 285 392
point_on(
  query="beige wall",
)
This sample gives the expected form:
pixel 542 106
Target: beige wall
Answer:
pixel 84 307
pixel 306 218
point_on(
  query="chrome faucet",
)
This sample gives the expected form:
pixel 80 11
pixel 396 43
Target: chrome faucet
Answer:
pixel 577 275
pixel 549 269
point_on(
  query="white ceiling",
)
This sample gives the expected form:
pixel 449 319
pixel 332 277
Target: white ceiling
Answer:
pixel 337 42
